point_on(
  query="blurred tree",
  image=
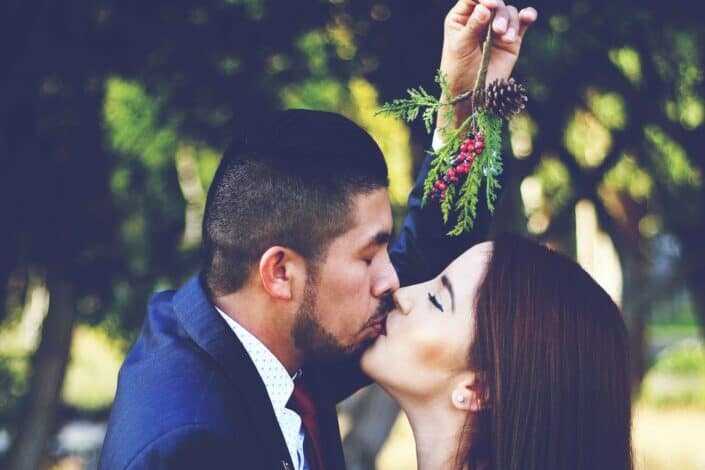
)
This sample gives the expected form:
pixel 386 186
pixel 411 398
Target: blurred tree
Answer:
pixel 616 109
pixel 113 113
pixel 110 111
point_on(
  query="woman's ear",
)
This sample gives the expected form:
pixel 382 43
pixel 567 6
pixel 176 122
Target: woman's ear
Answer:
pixel 471 393
pixel 280 269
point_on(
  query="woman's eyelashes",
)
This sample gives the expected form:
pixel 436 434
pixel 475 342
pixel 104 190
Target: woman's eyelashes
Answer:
pixel 434 300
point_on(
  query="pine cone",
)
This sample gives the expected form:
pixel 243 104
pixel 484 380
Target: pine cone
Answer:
pixel 505 98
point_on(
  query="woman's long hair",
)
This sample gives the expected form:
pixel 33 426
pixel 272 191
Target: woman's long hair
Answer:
pixel 552 348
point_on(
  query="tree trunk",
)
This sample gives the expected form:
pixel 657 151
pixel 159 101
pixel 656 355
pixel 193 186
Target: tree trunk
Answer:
pixel 375 414
pixel 696 285
pixel 48 367
pixel 636 308
pixel 637 350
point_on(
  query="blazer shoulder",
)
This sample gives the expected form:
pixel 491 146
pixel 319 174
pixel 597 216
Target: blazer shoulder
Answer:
pixel 181 384
pixel 167 382
pixel 149 409
pixel 186 446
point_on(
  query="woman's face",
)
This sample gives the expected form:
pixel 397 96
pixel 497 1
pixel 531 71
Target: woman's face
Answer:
pixel 428 336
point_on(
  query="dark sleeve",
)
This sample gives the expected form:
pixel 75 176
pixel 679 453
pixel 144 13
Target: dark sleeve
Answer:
pixel 423 249
pixel 188 447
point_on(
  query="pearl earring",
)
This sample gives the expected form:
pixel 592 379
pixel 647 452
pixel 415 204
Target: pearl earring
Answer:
pixel 460 399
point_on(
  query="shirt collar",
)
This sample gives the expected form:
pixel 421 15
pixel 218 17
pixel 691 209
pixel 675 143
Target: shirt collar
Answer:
pixel 277 381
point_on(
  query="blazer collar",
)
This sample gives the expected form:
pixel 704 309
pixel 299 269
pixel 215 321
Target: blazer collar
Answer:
pixel 208 330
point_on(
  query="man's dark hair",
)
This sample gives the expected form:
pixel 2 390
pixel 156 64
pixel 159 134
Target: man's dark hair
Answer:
pixel 288 180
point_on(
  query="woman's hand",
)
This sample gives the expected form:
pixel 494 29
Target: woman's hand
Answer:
pixel 464 31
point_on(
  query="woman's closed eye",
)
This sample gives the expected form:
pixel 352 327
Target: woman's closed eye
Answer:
pixel 434 301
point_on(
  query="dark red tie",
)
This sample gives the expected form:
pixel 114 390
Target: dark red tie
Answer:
pixel 301 402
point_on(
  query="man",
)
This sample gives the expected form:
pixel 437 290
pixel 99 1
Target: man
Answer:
pixel 243 366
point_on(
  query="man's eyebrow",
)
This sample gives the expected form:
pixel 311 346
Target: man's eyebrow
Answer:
pixel 446 282
pixel 379 239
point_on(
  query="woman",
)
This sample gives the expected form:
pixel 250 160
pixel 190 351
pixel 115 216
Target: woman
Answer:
pixel 512 358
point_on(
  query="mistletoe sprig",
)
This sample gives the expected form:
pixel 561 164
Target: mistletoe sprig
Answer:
pixel 487 166
pixel 408 109
pixel 471 153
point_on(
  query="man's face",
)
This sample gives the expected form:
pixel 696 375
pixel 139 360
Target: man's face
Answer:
pixel 348 296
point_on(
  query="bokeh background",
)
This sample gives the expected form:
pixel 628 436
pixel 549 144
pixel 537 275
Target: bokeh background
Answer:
pixel 113 115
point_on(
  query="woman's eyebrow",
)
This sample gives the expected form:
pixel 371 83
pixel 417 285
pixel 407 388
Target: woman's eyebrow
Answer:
pixel 447 284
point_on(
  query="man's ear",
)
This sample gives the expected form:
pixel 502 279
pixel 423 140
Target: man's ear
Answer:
pixel 471 392
pixel 280 270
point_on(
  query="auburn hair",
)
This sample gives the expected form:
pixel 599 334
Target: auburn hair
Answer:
pixel 552 348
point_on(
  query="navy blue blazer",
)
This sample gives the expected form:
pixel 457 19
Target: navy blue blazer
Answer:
pixel 189 396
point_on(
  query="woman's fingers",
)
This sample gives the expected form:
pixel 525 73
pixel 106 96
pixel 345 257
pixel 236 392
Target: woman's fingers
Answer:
pixel 477 24
pixel 501 18
pixel 527 17
pixel 513 27
pixel 463 9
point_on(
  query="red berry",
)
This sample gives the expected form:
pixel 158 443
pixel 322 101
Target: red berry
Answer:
pixel 451 172
pixel 454 179
pixel 442 186
pixel 479 147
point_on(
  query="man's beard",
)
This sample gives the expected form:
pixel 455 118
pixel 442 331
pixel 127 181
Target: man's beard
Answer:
pixel 317 343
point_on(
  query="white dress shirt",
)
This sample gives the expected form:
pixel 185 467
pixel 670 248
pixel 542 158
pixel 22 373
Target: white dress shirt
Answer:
pixel 279 387
pixel 437 142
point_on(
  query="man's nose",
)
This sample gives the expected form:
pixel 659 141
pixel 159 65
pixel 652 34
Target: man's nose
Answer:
pixel 388 281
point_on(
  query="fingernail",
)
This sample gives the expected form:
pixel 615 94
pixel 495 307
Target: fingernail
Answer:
pixel 532 13
pixel 501 23
pixel 511 34
pixel 481 13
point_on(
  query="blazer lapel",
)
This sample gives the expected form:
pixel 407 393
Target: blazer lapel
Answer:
pixel 209 331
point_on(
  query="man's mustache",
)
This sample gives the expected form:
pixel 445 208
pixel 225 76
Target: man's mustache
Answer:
pixel 386 305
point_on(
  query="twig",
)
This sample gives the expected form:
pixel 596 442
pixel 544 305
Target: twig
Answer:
pixel 482 76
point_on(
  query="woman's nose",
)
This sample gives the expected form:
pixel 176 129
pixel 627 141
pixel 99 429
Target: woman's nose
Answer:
pixel 403 300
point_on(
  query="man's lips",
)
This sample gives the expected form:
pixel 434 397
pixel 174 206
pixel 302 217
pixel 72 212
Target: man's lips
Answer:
pixel 379 320
pixel 380 325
